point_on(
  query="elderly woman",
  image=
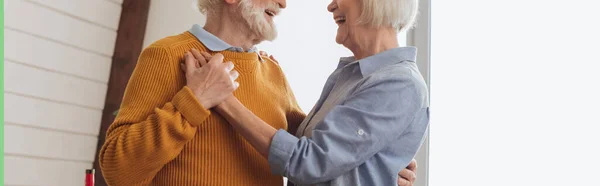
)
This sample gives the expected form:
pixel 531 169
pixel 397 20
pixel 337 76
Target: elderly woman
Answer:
pixel 373 111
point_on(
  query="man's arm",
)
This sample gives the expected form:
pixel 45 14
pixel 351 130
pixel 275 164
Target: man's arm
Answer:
pixel 156 119
pixel 408 175
pixel 294 117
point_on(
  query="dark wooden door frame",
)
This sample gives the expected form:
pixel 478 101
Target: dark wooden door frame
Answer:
pixel 130 40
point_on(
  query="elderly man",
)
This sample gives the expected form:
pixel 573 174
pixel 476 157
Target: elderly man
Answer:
pixel 165 133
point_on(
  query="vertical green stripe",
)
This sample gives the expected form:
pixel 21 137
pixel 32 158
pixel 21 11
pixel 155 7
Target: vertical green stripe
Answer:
pixel 2 99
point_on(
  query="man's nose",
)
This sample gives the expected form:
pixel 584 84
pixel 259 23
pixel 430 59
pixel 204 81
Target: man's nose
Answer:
pixel 281 3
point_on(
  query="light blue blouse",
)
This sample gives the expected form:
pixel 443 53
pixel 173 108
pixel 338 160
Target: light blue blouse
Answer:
pixel 368 124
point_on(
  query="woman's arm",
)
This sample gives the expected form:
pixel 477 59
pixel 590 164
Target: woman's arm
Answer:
pixel 255 130
pixel 349 135
pixel 261 140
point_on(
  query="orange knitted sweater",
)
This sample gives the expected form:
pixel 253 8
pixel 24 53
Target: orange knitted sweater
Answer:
pixel 163 136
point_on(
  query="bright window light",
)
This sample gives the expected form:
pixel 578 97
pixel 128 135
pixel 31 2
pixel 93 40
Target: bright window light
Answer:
pixel 515 93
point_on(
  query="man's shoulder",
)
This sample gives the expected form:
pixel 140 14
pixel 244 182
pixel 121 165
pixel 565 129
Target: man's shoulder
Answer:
pixel 268 58
pixel 174 41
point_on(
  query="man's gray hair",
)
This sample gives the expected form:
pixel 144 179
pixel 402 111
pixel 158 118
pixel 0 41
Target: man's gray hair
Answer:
pixel 208 6
pixel 398 14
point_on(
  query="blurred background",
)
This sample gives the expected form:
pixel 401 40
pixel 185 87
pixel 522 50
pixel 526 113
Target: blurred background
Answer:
pixel 514 84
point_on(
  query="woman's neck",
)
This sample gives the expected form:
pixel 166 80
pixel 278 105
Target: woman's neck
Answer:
pixel 377 41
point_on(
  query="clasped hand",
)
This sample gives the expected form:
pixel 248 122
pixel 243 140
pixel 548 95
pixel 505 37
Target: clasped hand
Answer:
pixel 210 79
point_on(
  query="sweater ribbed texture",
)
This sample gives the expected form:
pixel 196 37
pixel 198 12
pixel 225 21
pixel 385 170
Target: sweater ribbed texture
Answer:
pixel 163 136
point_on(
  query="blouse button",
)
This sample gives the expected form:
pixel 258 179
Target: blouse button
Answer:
pixel 361 132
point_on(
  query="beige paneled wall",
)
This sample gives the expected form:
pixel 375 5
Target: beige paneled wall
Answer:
pixel 57 63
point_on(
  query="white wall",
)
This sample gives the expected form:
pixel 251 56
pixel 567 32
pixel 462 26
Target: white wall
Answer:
pixel 515 93
pixel 420 38
pixel 306 48
pixel 57 63
pixel 168 17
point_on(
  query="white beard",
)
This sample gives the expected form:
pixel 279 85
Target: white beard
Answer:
pixel 257 22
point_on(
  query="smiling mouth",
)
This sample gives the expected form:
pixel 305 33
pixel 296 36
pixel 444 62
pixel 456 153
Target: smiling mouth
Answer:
pixel 270 13
pixel 340 20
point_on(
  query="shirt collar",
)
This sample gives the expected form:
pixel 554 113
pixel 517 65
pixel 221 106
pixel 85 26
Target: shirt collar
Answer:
pixel 214 43
pixel 375 62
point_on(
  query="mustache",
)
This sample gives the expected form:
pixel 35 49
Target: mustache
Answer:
pixel 271 6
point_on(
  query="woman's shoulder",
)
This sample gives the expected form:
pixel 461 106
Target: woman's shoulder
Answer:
pixel 403 78
pixel 403 72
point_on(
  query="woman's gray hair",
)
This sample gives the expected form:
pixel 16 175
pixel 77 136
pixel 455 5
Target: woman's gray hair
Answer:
pixel 398 14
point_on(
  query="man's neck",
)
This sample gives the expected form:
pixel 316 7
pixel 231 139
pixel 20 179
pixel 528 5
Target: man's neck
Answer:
pixel 231 30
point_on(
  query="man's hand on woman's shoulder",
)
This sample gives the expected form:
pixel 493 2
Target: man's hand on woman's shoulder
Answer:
pixel 407 176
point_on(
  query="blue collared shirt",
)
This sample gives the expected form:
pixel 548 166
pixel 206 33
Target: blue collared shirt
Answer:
pixel 368 124
pixel 214 43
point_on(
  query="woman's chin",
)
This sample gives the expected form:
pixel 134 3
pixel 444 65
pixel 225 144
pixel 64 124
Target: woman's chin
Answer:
pixel 339 39
pixel 341 35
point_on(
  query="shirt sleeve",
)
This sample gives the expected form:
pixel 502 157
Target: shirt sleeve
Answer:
pixel 352 132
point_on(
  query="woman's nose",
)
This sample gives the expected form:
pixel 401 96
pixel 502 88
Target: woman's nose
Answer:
pixel 332 6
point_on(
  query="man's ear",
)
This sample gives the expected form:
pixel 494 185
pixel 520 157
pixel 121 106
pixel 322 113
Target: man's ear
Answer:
pixel 231 2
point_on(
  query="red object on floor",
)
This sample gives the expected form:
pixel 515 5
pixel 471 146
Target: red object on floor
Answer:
pixel 89 177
